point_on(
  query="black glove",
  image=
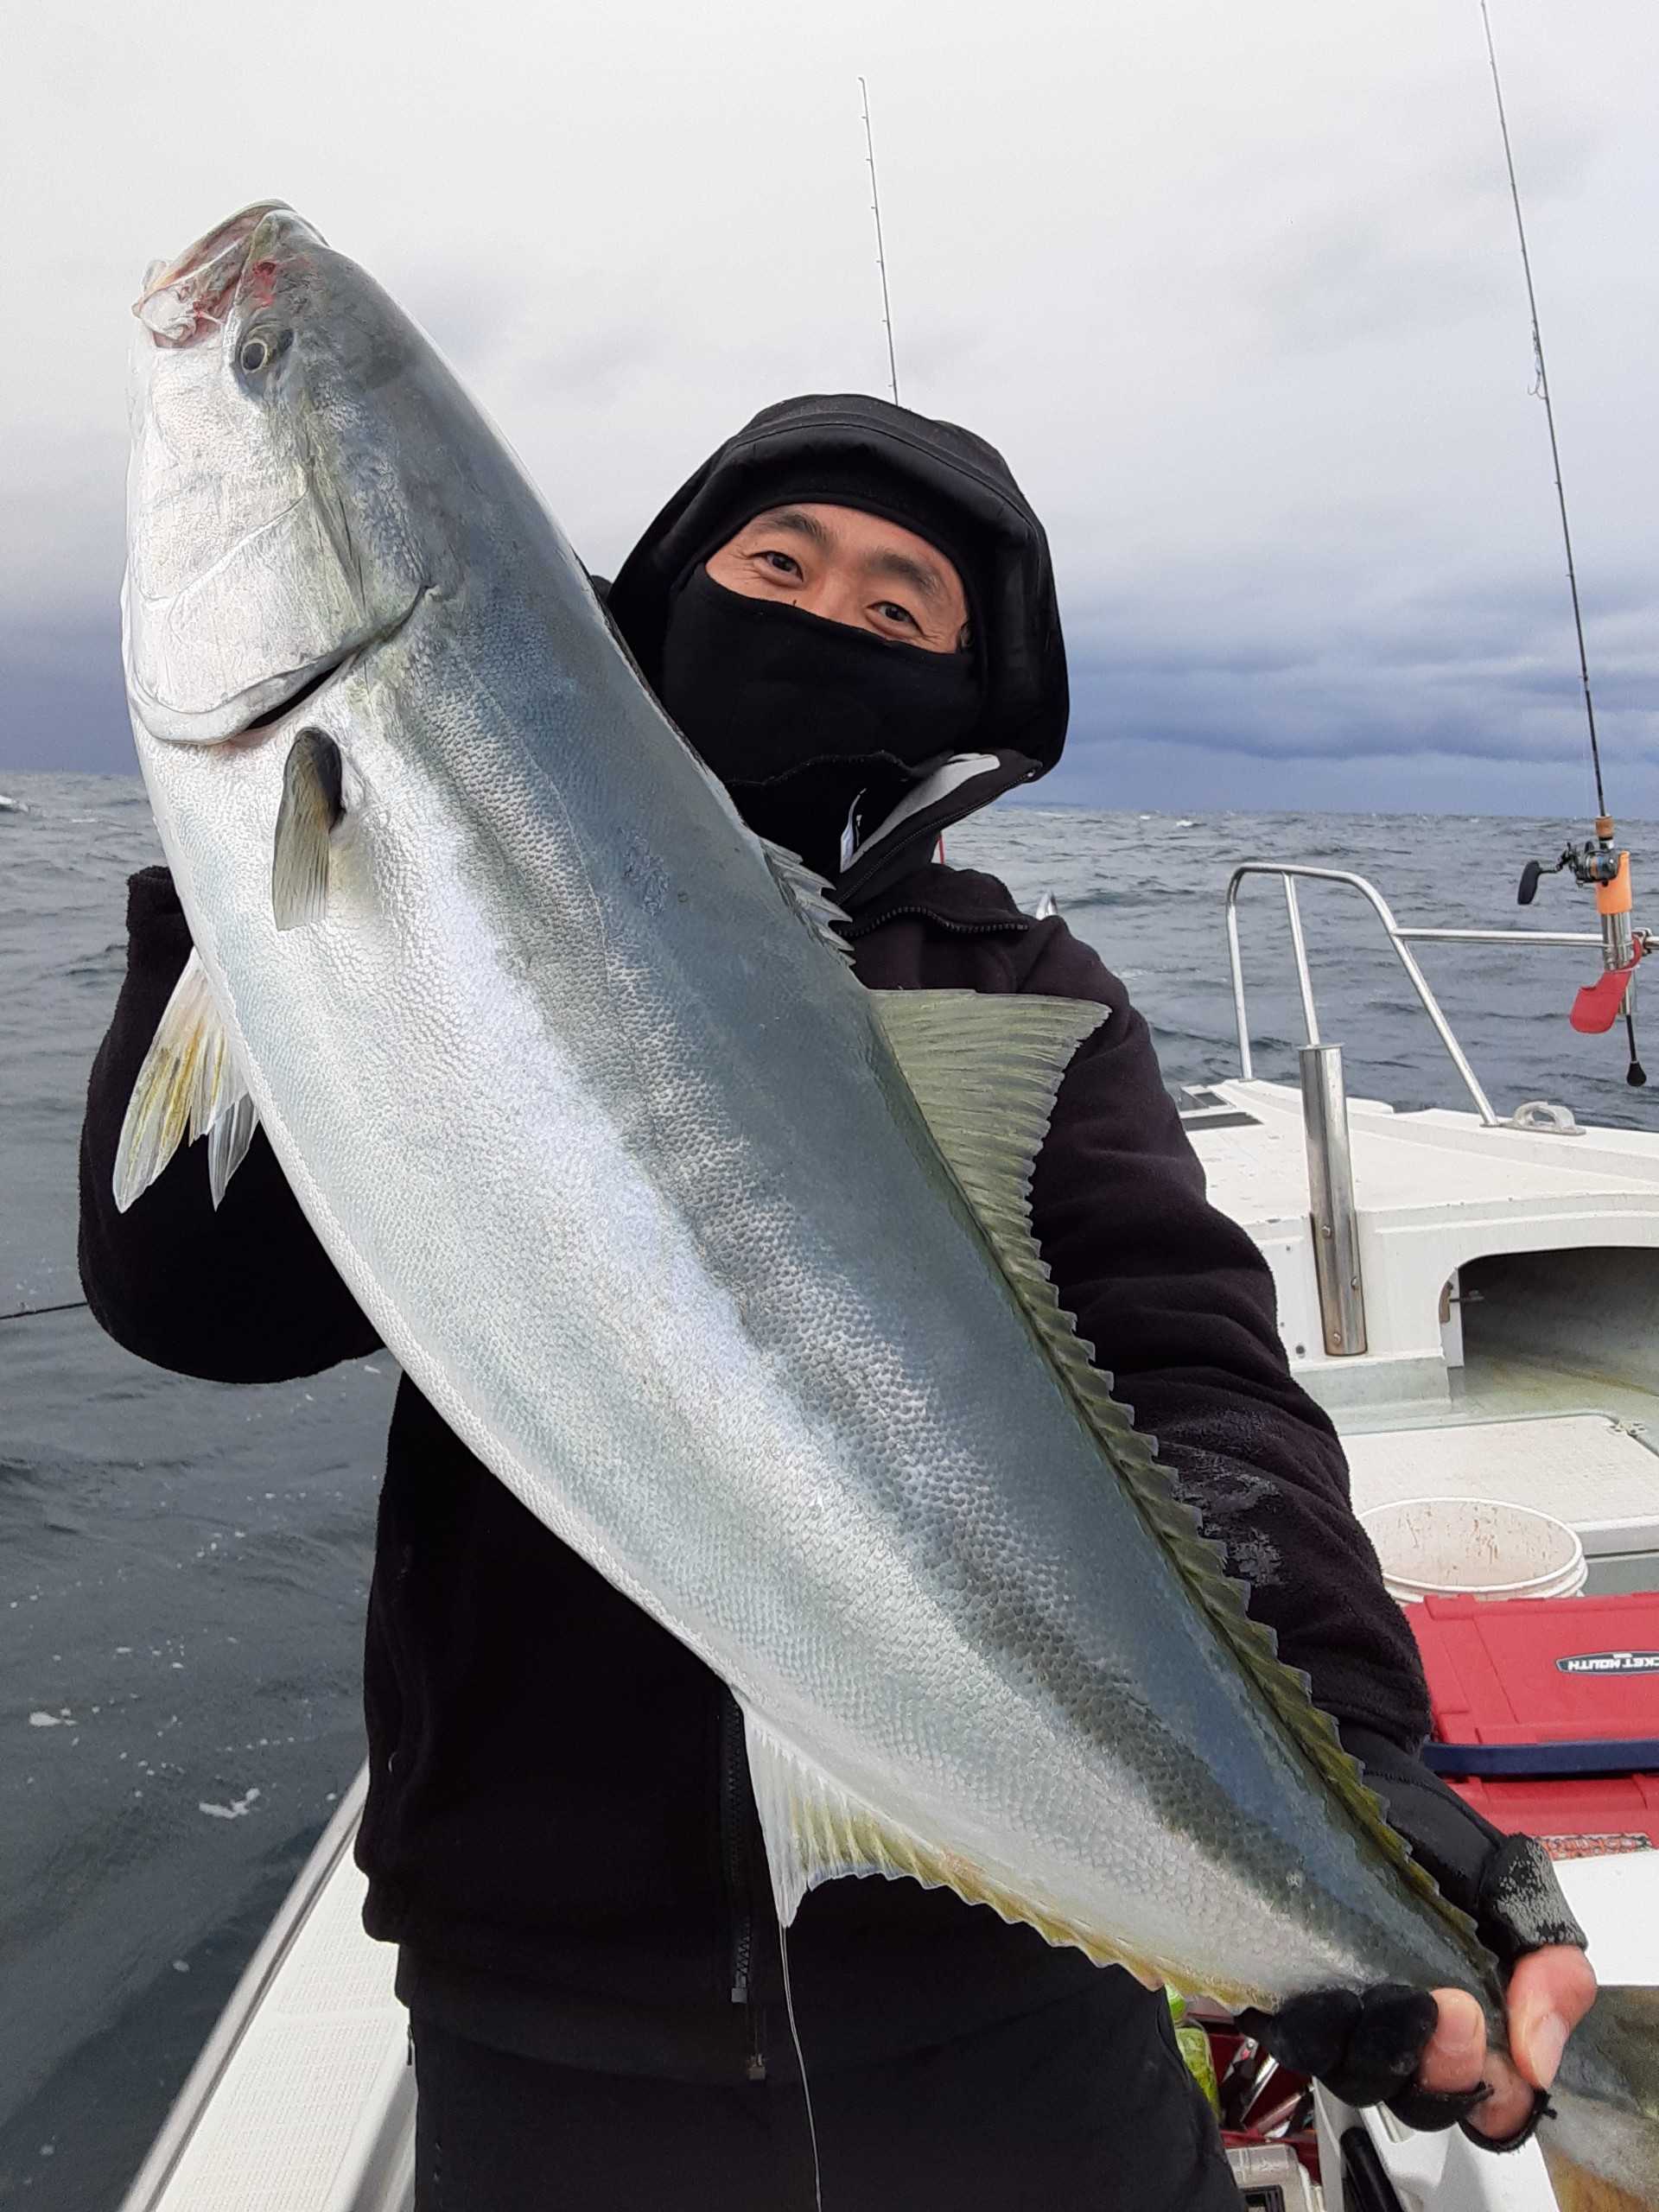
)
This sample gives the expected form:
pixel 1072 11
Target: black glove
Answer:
pixel 1365 2046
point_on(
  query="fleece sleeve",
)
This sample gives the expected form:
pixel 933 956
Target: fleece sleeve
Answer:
pixel 244 1294
pixel 1178 1305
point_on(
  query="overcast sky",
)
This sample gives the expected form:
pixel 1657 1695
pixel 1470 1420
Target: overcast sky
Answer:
pixel 1234 287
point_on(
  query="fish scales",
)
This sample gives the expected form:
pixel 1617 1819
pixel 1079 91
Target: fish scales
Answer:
pixel 626 1167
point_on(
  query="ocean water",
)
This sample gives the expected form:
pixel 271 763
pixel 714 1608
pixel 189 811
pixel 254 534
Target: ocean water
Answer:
pixel 183 1564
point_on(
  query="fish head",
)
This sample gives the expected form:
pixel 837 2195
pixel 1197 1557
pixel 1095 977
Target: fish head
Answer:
pixel 269 538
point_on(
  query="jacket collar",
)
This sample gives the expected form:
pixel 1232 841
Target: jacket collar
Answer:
pixel 873 859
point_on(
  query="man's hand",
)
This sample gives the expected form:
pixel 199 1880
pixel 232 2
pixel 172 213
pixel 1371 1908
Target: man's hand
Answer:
pixel 1425 2056
pixel 1549 1993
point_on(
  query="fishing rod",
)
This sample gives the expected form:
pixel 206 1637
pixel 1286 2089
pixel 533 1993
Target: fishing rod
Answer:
pixel 1595 863
pixel 880 250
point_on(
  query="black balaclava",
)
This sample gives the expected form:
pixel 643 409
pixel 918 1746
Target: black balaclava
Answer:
pixel 958 491
pixel 798 716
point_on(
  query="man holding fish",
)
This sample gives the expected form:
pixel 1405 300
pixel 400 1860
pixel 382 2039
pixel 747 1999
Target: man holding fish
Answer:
pixel 607 1763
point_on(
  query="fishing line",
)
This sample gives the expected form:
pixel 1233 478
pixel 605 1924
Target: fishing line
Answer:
pixel 800 2060
pixel 1549 411
pixel 28 1312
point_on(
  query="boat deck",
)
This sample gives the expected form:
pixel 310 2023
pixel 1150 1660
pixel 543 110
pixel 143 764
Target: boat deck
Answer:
pixel 1585 1469
pixel 1437 1194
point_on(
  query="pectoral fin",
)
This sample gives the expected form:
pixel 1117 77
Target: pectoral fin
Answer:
pixel 311 806
pixel 189 1085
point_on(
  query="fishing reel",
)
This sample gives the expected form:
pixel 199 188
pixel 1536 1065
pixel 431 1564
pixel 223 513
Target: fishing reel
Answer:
pixel 1592 864
pixel 1597 866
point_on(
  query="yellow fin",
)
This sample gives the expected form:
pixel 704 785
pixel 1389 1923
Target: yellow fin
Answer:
pixel 189 1085
pixel 985 1071
pixel 816 1831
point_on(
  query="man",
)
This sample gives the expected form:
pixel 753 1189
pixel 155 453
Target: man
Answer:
pixel 849 611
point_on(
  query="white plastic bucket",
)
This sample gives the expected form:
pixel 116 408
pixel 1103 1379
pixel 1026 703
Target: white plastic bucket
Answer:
pixel 1473 1547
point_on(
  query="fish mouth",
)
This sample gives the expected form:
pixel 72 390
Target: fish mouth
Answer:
pixel 191 297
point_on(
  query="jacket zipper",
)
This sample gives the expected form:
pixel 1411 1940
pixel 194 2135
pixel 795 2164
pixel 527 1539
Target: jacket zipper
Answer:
pixel 859 928
pixel 734 1856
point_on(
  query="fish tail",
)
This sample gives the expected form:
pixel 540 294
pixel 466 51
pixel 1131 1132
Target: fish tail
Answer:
pixel 1601 2140
pixel 1577 2190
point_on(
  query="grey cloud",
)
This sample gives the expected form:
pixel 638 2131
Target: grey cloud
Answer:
pixel 1321 713
pixel 1236 288
pixel 574 337
pixel 1353 279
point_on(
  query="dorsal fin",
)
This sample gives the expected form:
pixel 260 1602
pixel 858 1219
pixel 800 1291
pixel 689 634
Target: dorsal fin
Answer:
pixel 808 893
pixel 985 1071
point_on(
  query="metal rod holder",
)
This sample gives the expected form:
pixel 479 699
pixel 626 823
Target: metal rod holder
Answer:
pixel 1330 1200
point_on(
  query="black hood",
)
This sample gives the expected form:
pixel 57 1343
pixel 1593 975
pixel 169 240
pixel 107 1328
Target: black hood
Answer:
pixel 1017 624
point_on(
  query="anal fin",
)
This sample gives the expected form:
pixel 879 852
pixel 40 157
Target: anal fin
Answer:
pixel 816 1831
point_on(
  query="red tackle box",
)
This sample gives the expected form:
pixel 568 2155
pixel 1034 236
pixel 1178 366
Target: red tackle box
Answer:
pixel 1546 1715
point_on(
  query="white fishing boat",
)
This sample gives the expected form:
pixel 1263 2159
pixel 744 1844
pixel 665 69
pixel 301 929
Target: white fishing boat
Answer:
pixel 1474 1298
pixel 1473 1295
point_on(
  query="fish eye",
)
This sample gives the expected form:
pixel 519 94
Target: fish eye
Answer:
pixel 260 349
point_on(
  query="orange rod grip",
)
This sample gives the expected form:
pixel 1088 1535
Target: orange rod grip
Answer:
pixel 1614 897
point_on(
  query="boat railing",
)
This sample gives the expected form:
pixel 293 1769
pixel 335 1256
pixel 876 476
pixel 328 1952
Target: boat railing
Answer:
pixel 1290 873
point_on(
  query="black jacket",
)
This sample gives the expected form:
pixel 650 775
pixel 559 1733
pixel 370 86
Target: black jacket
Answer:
pixel 559 1830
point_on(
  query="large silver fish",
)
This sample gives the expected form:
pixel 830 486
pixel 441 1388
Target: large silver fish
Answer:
pixel 720 1262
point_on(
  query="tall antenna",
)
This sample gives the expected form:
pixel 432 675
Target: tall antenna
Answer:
pixel 881 252
pixel 1549 412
